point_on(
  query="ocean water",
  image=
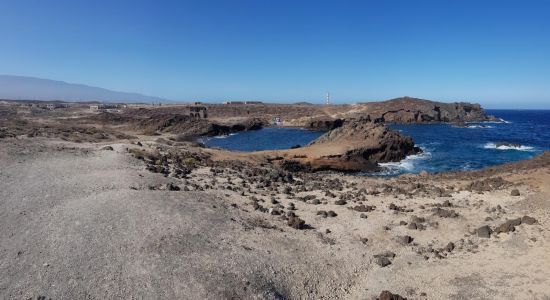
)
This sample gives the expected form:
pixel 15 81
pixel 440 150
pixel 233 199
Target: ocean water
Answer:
pixel 450 148
pixel 270 138
pixel 445 147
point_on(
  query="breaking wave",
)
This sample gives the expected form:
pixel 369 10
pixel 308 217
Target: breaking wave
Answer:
pixel 224 136
pixel 406 165
pixel 507 147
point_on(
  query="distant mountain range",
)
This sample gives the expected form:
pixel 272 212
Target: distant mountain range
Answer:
pixel 31 88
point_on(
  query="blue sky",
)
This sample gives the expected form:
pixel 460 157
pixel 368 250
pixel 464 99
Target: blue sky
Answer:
pixel 496 53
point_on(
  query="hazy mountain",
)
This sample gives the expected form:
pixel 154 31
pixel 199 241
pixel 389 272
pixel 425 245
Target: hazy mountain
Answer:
pixel 30 88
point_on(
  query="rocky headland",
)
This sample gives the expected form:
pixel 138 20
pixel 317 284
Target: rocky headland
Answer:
pixel 407 110
pixel 358 145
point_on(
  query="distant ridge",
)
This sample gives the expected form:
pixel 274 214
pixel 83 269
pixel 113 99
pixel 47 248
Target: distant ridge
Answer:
pixel 31 88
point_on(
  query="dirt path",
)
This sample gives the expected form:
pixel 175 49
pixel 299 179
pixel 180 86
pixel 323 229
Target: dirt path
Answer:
pixel 72 228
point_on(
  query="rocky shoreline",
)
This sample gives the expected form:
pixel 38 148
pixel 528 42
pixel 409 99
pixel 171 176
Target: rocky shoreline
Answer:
pixel 96 207
pixel 358 145
pixel 355 140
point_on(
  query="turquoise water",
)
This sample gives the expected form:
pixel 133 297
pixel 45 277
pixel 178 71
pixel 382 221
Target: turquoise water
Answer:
pixel 446 147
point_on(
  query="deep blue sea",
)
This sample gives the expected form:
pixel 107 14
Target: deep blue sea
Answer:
pixel 270 138
pixel 446 147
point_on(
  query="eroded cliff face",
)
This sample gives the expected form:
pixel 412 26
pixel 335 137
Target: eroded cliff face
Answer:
pixel 407 110
pixel 358 145
pixel 153 122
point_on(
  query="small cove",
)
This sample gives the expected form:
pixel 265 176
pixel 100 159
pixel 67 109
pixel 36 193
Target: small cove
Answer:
pixel 269 138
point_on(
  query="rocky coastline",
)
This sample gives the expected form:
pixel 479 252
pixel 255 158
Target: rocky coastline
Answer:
pixel 130 208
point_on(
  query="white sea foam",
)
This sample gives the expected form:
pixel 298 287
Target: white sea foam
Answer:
pixel 503 147
pixel 467 166
pixel 500 121
pixel 406 165
pixel 479 126
pixel 224 136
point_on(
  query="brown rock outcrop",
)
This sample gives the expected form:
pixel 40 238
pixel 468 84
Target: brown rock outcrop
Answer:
pixel 359 145
pixel 325 124
pixel 413 110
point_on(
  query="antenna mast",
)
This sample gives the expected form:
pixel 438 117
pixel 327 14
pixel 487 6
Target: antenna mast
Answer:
pixel 328 98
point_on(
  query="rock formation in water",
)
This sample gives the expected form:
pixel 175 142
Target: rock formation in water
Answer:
pixel 358 145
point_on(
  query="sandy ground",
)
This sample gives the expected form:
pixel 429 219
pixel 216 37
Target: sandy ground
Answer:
pixel 78 222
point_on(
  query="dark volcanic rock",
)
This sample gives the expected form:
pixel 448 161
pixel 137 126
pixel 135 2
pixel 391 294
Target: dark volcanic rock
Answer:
pixel 444 213
pixel 412 110
pixel 508 226
pixel 331 214
pixel 450 247
pixel 322 213
pixel 364 208
pixel 295 166
pixel 223 129
pixel 515 192
pixel 489 184
pixel 528 220
pixel 296 222
pixel 417 219
pixel 325 124
pixel 386 295
pixel 383 261
pixel 406 239
pixel 358 145
pixel 484 231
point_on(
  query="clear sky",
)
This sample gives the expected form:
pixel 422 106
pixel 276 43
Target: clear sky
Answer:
pixel 496 53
